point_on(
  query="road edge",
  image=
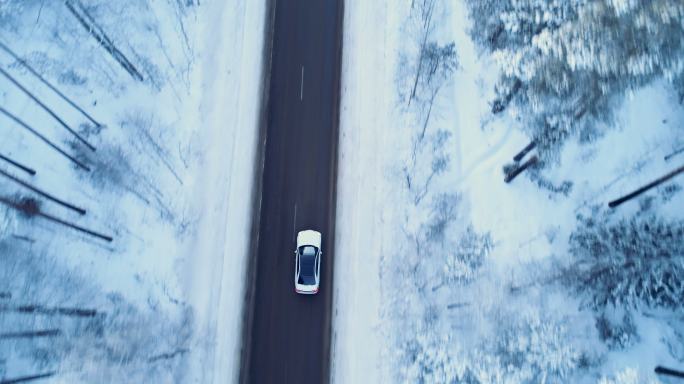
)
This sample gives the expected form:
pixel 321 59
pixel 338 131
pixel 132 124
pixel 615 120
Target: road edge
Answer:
pixel 333 193
pixel 248 311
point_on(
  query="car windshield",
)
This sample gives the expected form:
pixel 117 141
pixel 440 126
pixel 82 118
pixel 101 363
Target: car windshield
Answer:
pixel 307 261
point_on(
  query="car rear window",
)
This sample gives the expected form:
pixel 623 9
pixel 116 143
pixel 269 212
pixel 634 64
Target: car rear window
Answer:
pixel 307 261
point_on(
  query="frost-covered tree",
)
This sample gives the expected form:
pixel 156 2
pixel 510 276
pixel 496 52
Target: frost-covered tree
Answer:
pixel 427 358
pixel 436 64
pixel 636 262
pixel 617 333
pixel 679 87
pixel 531 348
pixel 10 7
pixel 628 375
pixel 464 258
pixel 100 336
pixel 427 62
pixel 565 64
pixel 445 208
pixel 513 23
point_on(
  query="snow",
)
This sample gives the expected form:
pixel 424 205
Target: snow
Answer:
pixel 232 74
pixel 379 311
pixel 361 235
pixel 172 183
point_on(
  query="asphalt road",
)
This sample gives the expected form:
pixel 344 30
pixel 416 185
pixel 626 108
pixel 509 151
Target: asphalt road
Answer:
pixel 287 335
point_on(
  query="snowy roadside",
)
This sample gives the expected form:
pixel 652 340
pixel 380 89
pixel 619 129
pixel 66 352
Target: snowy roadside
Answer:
pixel 231 74
pixel 361 191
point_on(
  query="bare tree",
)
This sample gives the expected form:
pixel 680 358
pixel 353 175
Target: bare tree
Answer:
pixel 47 83
pixel 46 195
pixel 426 10
pixel 81 14
pixel 18 165
pixel 646 187
pixel 674 153
pixel 169 355
pixel 50 311
pixel 26 379
pixel 47 109
pixel 44 139
pixel 31 208
pixel 30 334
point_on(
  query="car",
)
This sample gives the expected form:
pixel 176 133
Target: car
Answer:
pixel 308 262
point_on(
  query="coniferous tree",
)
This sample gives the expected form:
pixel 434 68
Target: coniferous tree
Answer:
pixel 565 64
pixel 636 262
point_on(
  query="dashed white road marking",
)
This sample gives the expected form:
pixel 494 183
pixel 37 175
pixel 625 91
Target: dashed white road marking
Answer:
pixel 294 223
pixel 301 88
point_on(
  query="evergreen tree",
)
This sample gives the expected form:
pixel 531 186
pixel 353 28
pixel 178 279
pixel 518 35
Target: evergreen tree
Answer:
pixel 565 64
pixel 528 348
pixel 463 262
pixel 633 262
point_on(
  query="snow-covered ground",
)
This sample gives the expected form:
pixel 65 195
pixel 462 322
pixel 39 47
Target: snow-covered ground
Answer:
pixel 233 75
pixel 456 281
pixel 362 231
pixel 170 182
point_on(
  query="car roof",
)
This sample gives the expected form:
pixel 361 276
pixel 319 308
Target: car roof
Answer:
pixel 308 264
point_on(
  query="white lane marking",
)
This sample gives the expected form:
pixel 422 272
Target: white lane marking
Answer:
pixel 294 223
pixel 301 88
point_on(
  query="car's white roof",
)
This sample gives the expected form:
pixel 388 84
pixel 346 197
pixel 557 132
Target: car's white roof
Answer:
pixel 309 237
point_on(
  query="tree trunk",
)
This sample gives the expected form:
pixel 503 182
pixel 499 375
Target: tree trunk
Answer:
pixel 673 154
pixel 24 238
pixel 26 379
pixel 18 165
pixel 525 151
pixel 646 187
pixel 509 177
pixel 667 371
pixel 457 305
pixel 48 84
pixel 31 334
pixel 427 21
pixel 96 32
pixel 41 310
pixel 47 109
pixel 415 82
pixel 166 356
pixel 44 139
pixel 427 118
pixel 46 195
pixel 28 208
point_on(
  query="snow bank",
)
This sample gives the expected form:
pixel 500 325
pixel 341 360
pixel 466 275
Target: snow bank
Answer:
pixel 368 98
pixel 229 85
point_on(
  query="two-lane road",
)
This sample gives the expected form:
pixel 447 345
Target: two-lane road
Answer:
pixel 287 338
